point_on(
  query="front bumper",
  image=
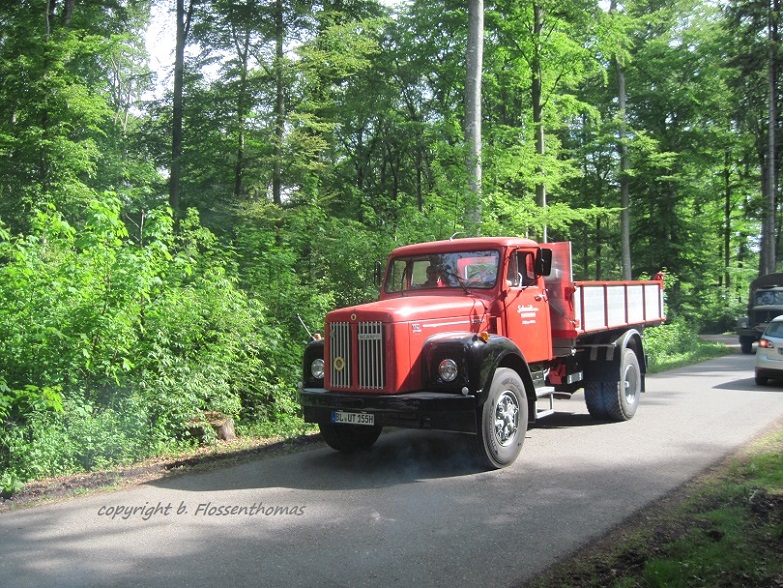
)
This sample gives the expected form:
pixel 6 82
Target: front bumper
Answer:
pixel 416 410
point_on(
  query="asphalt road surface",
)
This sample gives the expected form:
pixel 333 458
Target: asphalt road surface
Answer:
pixel 412 512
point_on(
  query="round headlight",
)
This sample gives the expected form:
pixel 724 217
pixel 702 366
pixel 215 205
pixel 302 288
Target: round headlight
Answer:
pixel 317 368
pixel 448 370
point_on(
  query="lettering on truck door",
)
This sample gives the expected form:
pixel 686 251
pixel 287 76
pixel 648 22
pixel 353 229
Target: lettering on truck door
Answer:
pixel 526 310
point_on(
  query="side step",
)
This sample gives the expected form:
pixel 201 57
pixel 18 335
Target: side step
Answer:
pixel 549 393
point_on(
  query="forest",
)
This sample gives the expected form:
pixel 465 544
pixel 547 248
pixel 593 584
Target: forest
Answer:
pixel 169 226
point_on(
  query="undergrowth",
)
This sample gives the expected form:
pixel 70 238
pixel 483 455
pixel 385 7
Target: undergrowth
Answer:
pixel 677 344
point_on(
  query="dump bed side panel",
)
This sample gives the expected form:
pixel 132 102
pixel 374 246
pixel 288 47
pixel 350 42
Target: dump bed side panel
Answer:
pixel 582 308
pixel 600 306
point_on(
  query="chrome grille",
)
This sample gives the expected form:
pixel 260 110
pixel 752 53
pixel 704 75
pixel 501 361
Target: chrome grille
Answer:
pixel 371 355
pixel 369 347
pixel 340 351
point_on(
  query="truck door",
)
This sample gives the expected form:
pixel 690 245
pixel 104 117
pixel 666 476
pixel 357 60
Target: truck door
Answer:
pixel 526 312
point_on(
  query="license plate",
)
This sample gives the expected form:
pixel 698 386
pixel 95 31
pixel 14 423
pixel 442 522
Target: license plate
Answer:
pixel 353 418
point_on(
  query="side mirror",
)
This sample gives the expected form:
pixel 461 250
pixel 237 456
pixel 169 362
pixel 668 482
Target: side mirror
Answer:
pixel 378 274
pixel 543 262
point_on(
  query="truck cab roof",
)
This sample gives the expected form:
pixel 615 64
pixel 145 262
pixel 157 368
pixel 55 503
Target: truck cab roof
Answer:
pixel 462 244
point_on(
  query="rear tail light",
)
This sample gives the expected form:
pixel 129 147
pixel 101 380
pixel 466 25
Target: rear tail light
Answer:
pixel 766 343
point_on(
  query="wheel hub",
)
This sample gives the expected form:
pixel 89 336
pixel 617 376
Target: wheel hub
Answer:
pixel 630 384
pixel 506 418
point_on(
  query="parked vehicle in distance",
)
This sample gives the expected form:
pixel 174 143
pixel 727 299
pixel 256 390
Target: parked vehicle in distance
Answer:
pixel 769 354
pixel 765 302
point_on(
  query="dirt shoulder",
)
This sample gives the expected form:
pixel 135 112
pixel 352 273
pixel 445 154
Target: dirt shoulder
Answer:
pixel 220 454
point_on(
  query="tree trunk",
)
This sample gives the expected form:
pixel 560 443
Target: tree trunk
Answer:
pixel 474 68
pixel 243 52
pixel 538 110
pixel 68 10
pixel 183 19
pixel 727 219
pixel 50 13
pixel 277 167
pixel 625 199
pixel 767 261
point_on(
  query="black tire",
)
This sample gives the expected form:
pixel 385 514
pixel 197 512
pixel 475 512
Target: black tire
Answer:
pixel 746 345
pixel 596 397
pixel 761 380
pixel 349 438
pixel 616 401
pixel 502 421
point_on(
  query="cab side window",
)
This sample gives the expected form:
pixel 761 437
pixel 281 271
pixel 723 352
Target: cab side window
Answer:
pixel 520 270
pixel 526 265
pixel 512 277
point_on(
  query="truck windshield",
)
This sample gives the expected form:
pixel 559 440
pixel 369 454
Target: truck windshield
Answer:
pixel 464 269
pixel 769 298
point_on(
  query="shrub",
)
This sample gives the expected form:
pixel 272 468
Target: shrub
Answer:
pixel 110 343
pixel 677 343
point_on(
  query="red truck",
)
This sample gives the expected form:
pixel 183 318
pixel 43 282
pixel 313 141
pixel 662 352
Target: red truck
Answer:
pixel 478 336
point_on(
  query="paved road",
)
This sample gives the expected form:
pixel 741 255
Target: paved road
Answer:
pixel 410 513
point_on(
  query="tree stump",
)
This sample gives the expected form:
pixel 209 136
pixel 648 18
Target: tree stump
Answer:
pixel 222 424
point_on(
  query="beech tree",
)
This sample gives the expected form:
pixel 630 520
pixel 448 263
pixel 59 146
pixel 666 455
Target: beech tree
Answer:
pixel 183 14
pixel 757 57
pixel 474 70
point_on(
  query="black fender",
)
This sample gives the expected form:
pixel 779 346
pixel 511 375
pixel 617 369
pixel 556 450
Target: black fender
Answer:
pixel 603 354
pixel 477 360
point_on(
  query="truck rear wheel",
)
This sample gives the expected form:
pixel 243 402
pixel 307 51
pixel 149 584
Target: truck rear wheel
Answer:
pixel 502 421
pixel 616 401
pixel 746 344
pixel 349 438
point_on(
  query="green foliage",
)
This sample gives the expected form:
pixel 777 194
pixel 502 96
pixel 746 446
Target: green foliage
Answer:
pixel 675 344
pixel 735 527
pixel 110 345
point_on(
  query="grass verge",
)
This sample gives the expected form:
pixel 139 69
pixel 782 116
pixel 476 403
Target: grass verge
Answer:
pixel 723 529
pixel 676 345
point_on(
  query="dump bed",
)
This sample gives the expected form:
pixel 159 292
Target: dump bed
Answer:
pixel 583 308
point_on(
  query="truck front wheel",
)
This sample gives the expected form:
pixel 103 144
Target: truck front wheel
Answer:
pixel 616 401
pixel 746 344
pixel 349 438
pixel 502 421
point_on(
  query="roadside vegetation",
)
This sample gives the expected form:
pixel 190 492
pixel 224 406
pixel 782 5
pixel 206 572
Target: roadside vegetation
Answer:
pixel 112 344
pixel 676 344
pixel 724 529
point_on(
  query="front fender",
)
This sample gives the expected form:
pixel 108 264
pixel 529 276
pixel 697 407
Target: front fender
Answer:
pixel 477 361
